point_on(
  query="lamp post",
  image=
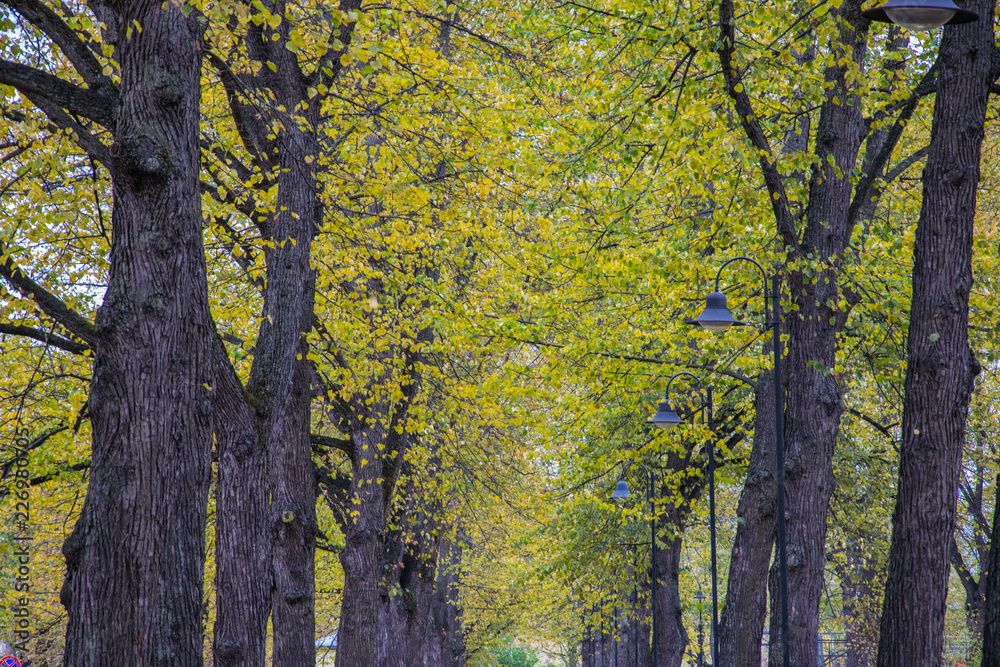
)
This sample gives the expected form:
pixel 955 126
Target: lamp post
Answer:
pixel 635 609
pixel 620 495
pixel 920 14
pixel 615 636
pixel 716 317
pixel 700 597
pixel 666 417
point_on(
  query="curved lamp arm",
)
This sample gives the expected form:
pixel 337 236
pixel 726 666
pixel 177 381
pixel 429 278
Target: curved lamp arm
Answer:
pixel 716 315
pixel 700 388
pixel 743 258
pixel 666 417
pixel 649 474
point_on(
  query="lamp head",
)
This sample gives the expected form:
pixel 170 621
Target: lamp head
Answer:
pixel 699 596
pixel 920 14
pixel 665 417
pixel 621 493
pixel 716 316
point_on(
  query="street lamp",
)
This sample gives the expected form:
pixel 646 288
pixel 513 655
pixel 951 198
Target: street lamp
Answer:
pixel 666 417
pixel 621 495
pixel 920 14
pixel 716 317
pixel 700 597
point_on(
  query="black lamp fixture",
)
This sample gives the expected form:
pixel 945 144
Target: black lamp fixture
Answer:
pixel 666 417
pixel 621 493
pixel 716 316
pixel 917 15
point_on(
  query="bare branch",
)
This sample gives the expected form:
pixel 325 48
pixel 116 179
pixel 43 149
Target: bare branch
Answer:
pixel 97 104
pixel 50 304
pixel 751 126
pixel 329 66
pixel 44 337
pixel 75 49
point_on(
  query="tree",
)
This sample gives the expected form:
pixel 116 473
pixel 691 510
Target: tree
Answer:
pixel 135 558
pixel 941 367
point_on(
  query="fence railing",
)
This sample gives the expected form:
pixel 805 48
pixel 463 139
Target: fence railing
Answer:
pixel 831 650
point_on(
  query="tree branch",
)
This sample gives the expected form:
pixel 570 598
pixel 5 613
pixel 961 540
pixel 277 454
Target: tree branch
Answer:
pixel 45 337
pixel 41 479
pixel 327 442
pixel 93 103
pixel 884 430
pixel 90 144
pixel 75 49
pixel 253 132
pixel 32 445
pixel 50 304
pixel 961 569
pixel 329 66
pixel 864 191
pixel 751 126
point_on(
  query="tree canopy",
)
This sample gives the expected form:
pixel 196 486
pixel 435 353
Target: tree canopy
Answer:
pixel 416 290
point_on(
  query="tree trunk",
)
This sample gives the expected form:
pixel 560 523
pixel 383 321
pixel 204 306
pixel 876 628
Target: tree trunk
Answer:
pixel 135 560
pixel 813 401
pixel 445 637
pixel 409 605
pixel 280 139
pixel 941 367
pixel 990 577
pixel 645 644
pixel 587 647
pixel 859 578
pixel 672 637
pixel 242 548
pixel 741 626
pixel 281 376
pixel 362 553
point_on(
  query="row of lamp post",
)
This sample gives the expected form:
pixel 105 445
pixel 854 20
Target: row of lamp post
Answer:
pixel 717 317
pixel 912 15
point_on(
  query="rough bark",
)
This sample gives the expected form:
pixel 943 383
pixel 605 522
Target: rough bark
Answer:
pixel 445 640
pixel 741 626
pixel 242 552
pixel 813 398
pixel 280 382
pixel 814 401
pixel 361 557
pixel 941 367
pixel 587 651
pixel 859 578
pixel 281 379
pixel 411 557
pixel 135 559
pixel 672 636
